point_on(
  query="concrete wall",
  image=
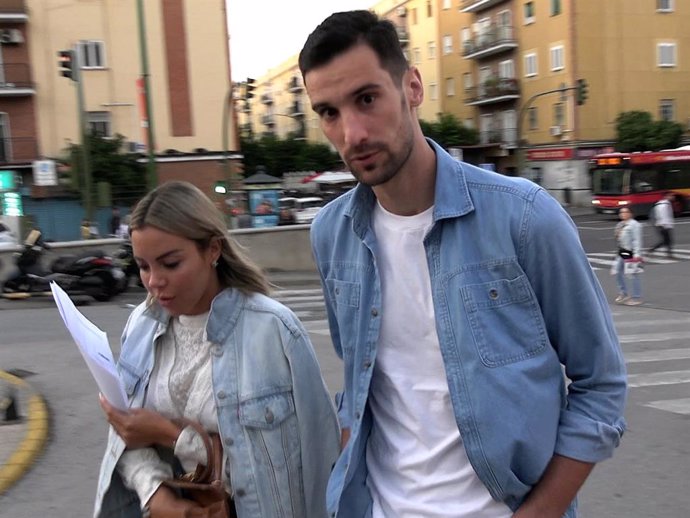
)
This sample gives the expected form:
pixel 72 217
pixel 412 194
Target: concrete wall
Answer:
pixel 273 249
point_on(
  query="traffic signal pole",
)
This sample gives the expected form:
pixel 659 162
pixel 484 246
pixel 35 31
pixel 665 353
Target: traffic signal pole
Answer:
pixel 152 175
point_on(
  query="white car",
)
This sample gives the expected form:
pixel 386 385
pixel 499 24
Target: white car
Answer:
pixel 305 209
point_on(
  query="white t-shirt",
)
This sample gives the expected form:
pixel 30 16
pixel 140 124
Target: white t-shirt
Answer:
pixel 416 459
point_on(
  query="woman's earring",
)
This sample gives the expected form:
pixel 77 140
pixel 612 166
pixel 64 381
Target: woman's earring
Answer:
pixel 215 263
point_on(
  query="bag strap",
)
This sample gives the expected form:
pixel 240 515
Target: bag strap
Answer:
pixel 214 452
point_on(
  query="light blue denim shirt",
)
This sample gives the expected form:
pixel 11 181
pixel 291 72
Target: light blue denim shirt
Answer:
pixel 275 415
pixel 514 298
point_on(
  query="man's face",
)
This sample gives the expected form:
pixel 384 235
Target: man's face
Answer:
pixel 365 114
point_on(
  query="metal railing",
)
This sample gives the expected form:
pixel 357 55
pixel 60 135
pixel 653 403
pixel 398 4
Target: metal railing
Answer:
pixel 498 135
pixel 494 40
pixel 493 88
pixel 18 149
pixel 14 76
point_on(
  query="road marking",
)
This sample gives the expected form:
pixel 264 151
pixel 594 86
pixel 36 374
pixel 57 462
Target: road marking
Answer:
pixel 658 378
pixel 653 337
pixel 657 356
pixel 288 293
pixel 677 406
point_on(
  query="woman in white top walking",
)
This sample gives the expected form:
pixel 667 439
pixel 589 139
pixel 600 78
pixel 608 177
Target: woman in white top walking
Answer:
pixel 628 234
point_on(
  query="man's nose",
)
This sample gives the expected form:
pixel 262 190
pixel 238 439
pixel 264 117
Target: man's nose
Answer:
pixel 354 129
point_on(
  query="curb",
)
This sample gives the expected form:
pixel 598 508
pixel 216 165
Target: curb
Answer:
pixel 34 440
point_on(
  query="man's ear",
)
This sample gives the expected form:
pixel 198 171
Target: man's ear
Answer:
pixel 414 87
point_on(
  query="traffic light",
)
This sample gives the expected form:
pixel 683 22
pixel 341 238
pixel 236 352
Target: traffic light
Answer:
pixel 249 88
pixel 581 92
pixel 66 64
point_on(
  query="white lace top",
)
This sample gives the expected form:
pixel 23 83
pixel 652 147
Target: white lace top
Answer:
pixel 180 386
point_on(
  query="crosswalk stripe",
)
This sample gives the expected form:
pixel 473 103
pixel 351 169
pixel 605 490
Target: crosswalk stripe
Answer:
pixel 677 406
pixel 658 378
pixel 653 337
pixel 657 356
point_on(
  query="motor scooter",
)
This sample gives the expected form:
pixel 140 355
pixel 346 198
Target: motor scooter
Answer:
pixel 125 259
pixel 89 274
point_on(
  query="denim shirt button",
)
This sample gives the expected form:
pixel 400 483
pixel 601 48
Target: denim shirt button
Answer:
pixel 269 415
pixel 357 415
pixel 240 492
pixel 374 312
pixel 229 441
pixel 366 364
pixel 493 293
pixel 216 350
pixel 222 395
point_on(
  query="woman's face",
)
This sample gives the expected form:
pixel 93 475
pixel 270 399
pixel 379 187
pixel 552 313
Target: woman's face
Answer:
pixel 173 269
pixel 624 214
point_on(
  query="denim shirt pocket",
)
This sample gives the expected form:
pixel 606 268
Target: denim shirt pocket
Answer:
pixel 130 379
pixel 505 320
pixel 345 298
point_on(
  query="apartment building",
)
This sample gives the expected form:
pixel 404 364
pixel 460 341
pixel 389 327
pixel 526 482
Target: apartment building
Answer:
pixel 189 75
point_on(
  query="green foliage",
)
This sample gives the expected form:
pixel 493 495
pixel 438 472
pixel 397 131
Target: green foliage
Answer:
pixel 283 155
pixel 638 131
pixel 448 131
pixel 109 163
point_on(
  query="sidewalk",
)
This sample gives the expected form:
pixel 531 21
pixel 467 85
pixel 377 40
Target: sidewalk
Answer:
pixel 22 440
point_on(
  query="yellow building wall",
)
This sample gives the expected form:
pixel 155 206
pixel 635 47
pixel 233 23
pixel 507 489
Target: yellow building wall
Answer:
pixel 453 65
pixel 59 24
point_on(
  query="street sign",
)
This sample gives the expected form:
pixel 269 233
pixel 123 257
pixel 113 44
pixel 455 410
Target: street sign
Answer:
pixel 7 182
pixel 45 172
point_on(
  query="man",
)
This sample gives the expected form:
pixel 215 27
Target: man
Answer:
pixel 663 221
pixel 453 296
pixel 115 221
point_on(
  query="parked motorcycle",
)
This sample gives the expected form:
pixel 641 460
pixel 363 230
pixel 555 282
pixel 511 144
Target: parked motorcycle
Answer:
pixel 92 274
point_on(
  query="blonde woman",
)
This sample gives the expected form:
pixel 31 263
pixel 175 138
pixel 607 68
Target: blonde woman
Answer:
pixel 628 233
pixel 209 345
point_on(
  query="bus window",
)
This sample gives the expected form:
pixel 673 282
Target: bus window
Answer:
pixel 609 181
pixel 644 180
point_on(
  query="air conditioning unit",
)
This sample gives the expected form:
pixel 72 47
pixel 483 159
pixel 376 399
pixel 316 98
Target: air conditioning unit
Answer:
pixel 401 11
pixel 555 131
pixel 11 36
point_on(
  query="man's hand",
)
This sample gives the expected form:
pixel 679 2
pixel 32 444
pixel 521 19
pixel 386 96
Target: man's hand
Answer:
pixel 164 504
pixel 140 427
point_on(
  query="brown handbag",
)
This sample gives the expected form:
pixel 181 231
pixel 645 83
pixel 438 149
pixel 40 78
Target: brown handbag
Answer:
pixel 205 485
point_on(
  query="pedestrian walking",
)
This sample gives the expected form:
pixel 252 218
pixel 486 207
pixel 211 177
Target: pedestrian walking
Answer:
pixel 663 222
pixel 454 296
pixel 115 221
pixel 208 345
pixel 628 234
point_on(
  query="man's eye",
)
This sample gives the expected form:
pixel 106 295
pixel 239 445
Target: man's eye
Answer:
pixel 327 113
pixel 367 99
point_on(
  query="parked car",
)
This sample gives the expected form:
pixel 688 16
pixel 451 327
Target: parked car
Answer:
pixel 307 208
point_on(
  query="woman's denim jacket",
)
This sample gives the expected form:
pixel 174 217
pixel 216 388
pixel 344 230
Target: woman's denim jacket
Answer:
pixel 275 415
pixel 515 299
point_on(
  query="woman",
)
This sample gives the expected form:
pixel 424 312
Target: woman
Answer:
pixel 210 346
pixel 628 234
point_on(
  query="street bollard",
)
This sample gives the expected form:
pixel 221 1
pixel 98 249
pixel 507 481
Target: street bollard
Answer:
pixel 8 407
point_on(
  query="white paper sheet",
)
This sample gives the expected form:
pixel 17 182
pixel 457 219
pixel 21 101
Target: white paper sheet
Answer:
pixel 94 347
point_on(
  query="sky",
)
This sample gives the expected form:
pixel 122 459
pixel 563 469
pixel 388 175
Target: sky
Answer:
pixel 264 33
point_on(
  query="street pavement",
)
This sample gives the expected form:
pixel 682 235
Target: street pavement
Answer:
pixel 653 337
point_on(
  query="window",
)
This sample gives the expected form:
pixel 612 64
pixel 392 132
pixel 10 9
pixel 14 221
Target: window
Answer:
pixel 557 60
pixel 533 118
pixel 667 110
pixel 556 7
pixel 91 54
pixel 417 56
pixel 447 4
pixel 666 54
pixel 433 91
pixel 664 6
pixel 506 69
pixel 529 13
pixel 98 123
pixel 531 64
pixel 447 45
pixel 467 81
pixel 431 50
pixel 414 16
pixel 469 123
pixel 429 10
pixel 558 114
pixel 450 86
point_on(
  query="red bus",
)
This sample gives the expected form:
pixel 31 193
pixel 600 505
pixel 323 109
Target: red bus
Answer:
pixel 638 180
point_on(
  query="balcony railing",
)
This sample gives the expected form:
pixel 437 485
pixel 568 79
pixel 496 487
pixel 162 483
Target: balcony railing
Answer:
pixel 295 85
pixel 267 119
pixel 267 99
pixel 18 149
pixel 13 11
pixel 493 90
pixel 403 36
pixel 506 137
pixel 493 41
pixel 15 79
pixel 296 110
pixel 475 6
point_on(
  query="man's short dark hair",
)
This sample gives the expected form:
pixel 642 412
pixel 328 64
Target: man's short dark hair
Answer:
pixel 341 31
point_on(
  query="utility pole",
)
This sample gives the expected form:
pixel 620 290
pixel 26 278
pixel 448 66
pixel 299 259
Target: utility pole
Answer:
pixel 70 67
pixel 152 176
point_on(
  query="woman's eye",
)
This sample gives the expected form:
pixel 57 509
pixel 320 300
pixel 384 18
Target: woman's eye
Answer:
pixel 171 266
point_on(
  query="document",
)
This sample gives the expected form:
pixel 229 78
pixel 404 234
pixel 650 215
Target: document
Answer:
pixel 94 347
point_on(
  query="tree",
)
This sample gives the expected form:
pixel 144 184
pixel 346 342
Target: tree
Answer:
pixel 289 154
pixel 448 131
pixel 637 131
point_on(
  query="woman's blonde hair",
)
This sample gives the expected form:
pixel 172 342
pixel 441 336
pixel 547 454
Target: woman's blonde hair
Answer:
pixel 182 209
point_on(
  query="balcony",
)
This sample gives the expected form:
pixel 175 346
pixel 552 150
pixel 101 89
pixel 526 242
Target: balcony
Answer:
pixel 15 150
pixel 15 80
pixel 476 6
pixel 403 36
pixel 505 137
pixel 13 11
pixel 267 99
pixel 296 110
pixel 295 85
pixel 493 90
pixel 267 119
pixel 494 41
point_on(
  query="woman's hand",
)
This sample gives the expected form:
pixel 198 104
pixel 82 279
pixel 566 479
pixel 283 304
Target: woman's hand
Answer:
pixel 164 504
pixel 140 427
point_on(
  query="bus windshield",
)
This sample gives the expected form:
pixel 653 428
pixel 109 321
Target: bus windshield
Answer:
pixel 609 181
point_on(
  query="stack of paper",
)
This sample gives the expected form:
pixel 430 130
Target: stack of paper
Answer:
pixel 94 347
